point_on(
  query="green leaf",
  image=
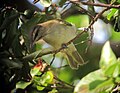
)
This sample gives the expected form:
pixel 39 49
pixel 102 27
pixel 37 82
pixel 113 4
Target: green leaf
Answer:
pixel 35 71
pixel 22 84
pixel 11 64
pixel 44 80
pixel 47 78
pixel 40 88
pixel 84 85
pixel 118 1
pixel 113 1
pixel 113 70
pixel 12 29
pixel 106 86
pixel 45 3
pixel 112 13
pixel 84 20
pixel 117 80
pixel 17 47
pixel 107 57
pixel 53 91
pixel 115 36
pixel 38 46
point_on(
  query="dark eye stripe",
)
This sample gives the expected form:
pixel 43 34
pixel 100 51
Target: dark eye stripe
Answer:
pixel 35 32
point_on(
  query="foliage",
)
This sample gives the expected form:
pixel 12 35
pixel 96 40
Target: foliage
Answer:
pixel 105 79
pixel 24 67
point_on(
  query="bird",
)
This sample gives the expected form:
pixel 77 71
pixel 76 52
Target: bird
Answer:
pixel 57 33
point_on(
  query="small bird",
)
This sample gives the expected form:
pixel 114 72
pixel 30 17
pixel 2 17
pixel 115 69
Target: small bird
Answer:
pixel 56 33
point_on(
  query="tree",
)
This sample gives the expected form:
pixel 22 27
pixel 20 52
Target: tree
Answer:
pixel 26 69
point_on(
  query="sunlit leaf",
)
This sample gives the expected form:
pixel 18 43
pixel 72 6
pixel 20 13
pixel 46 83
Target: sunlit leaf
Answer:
pixel 53 91
pixel 118 1
pixel 84 85
pixel 115 36
pixel 45 3
pixel 82 22
pixel 112 71
pixel 107 57
pixel 40 88
pixel 117 79
pixel 38 46
pixel 111 14
pixel 22 84
pixel 35 71
pixel 113 1
pixel 106 86
pixel 48 77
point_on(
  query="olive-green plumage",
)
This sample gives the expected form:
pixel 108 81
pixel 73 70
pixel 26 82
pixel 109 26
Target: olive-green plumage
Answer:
pixel 56 33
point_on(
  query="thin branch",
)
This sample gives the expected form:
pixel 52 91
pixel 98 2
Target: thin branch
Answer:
pixel 63 83
pixel 84 10
pixel 39 53
pixel 85 30
pixel 101 5
pixel 52 59
pixel 97 16
pixel 96 4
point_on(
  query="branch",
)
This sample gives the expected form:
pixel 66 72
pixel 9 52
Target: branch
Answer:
pixel 96 4
pixel 84 10
pixel 100 5
pixel 63 83
pixel 97 16
pixel 49 51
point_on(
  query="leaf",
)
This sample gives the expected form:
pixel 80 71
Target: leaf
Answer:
pixel 107 57
pixel 17 47
pixel 105 86
pixel 112 13
pixel 10 63
pixel 45 3
pixel 44 80
pixel 35 71
pixel 47 78
pixel 117 80
pixel 115 36
pixel 22 84
pixel 118 1
pixel 38 46
pixel 40 88
pixel 53 91
pixel 84 85
pixel 113 70
pixel 11 30
pixel 113 1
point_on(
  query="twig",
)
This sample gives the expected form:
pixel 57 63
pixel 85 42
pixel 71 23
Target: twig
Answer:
pixel 97 16
pixel 52 59
pixel 86 11
pixel 35 1
pixel 61 67
pixel 39 53
pixel 85 30
pixel 63 83
pixel 101 5
pixel 96 4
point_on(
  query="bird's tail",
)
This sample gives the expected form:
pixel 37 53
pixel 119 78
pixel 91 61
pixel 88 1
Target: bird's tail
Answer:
pixel 74 58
